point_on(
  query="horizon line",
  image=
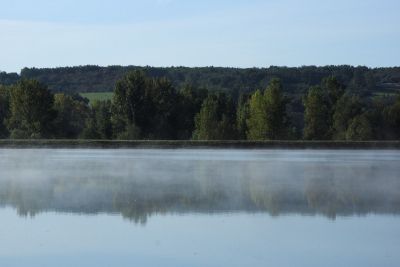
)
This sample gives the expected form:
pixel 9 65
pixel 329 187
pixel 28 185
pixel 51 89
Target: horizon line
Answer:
pixel 204 66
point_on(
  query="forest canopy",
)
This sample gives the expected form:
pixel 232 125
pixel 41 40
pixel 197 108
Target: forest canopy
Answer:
pixel 232 80
pixel 177 103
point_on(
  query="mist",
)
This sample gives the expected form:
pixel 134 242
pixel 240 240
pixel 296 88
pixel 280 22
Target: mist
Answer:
pixel 137 184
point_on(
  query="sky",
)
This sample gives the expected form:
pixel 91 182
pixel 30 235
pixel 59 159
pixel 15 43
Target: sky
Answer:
pixel 235 33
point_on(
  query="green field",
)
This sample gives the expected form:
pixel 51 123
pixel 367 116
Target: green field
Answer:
pixel 98 96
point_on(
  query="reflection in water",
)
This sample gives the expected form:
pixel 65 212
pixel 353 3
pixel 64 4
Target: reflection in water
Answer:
pixel 139 183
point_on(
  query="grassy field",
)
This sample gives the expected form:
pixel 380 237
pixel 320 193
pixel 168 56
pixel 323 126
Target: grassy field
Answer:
pixel 98 96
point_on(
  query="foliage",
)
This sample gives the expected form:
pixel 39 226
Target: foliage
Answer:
pixel 4 110
pixel 216 119
pixel 316 115
pixel 98 125
pixel 129 103
pixel 359 129
pixel 267 119
pixel 242 115
pixel 31 110
pixel 256 123
pixel 233 81
pixel 347 109
pixel 393 117
pixel 71 116
pixel 277 120
pixel 148 104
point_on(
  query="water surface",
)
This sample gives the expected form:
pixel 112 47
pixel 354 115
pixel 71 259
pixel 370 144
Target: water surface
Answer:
pixel 199 207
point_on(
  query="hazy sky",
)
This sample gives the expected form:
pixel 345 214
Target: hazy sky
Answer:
pixel 49 33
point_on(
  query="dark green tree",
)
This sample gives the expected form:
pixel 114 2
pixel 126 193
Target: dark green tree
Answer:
pixel 32 113
pixel 334 90
pixel 316 115
pixel 71 116
pixel 216 119
pixel 162 102
pixel 392 115
pixel 277 120
pixel 130 106
pixel 4 110
pixel 98 124
pixel 347 108
pixel 189 104
pixel 242 116
pixel 359 129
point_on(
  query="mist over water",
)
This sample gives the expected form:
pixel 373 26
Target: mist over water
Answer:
pixel 199 207
pixel 139 183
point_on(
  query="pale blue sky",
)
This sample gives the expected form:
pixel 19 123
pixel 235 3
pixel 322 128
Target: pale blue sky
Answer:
pixel 49 33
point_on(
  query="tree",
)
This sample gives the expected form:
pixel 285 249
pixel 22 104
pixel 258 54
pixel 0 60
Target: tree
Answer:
pixel 277 120
pixel 4 110
pixel 162 106
pixel 129 107
pixel 316 115
pixel 98 125
pixel 256 123
pixel 392 115
pixel 334 90
pixel 71 116
pixel 206 121
pixel 359 129
pixel 188 104
pixel 242 116
pixel 216 119
pixel 32 113
pixel 347 108
pixel 267 114
pixel 377 116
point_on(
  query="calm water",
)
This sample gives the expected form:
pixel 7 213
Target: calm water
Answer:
pixel 199 208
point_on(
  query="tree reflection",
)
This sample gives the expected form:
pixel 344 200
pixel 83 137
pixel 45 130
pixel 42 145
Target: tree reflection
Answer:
pixel 140 187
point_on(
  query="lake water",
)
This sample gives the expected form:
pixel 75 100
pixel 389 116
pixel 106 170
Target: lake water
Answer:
pixel 199 208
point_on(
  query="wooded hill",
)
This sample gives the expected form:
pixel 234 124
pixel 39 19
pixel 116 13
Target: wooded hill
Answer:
pixel 361 80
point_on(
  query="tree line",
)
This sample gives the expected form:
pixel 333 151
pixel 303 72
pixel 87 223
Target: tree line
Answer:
pixel 235 81
pixel 145 107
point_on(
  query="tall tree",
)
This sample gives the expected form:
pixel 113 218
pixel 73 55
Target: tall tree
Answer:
pixel 392 115
pixel 4 110
pixel 267 114
pixel 216 119
pixel 334 90
pixel 32 113
pixel 347 108
pixel 129 109
pixel 189 103
pixel 71 116
pixel 98 124
pixel 277 120
pixel 359 129
pixel 256 123
pixel 162 102
pixel 242 115
pixel 316 115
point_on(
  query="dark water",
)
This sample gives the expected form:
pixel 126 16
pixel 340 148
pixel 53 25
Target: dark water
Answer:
pixel 199 208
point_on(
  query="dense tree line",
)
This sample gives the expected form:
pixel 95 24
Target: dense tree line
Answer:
pixel 234 81
pixel 144 107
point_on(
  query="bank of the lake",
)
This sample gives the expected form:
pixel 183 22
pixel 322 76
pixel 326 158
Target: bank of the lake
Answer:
pixel 223 144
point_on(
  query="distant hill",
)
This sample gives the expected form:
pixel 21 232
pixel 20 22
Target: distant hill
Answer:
pixel 296 80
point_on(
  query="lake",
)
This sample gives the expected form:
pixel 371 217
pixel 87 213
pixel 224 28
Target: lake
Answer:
pixel 133 207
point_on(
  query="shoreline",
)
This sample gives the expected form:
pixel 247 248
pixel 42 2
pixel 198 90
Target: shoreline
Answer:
pixel 181 144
